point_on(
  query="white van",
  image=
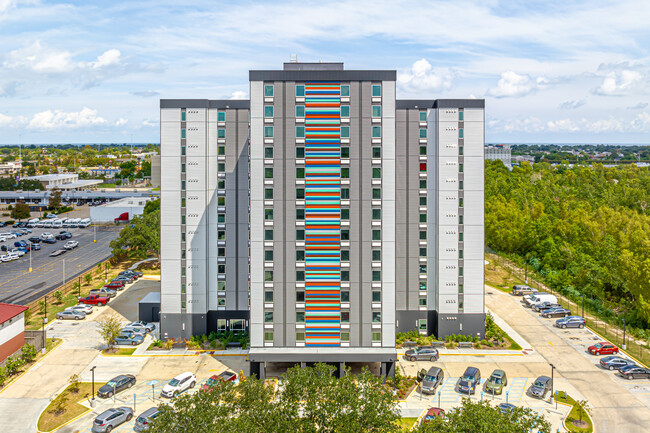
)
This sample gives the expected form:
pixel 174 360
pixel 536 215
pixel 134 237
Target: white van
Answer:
pixel 32 223
pixel 57 224
pixel 48 225
pixel 11 256
pixel 39 224
pixel 84 222
pixel 542 297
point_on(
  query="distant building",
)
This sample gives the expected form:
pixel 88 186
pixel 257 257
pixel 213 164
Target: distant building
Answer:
pixel 108 212
pixel 518 159
pixel 12 329
pixel 499 151
pixel 64 181
pixel 10 167
pixel 108 173
pixel 155 171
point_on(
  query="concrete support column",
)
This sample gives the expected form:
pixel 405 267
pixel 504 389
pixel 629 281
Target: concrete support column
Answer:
pixel 340 370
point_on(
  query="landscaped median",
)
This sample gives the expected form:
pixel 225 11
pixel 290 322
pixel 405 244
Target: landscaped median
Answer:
pixel 578 420
pixel 66 406
pixel 15 366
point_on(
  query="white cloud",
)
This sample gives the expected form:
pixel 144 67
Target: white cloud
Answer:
pixel 40 59
pixel 5 5
pixel 58 119
pixel 567 125
pixel 9 121
pixel 516 85
pixel 618 125
pixel 639 106
pixel 150 123
pixel 121 122
pixel 423 76
pixel 619 83
pixel 110 57
pixel 572 105
pixel 9 89
pixel 239 94
pixel 146 93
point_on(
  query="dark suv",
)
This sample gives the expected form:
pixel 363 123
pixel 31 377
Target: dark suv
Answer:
pixel 422 353
pixel 432 380
pixel 468 382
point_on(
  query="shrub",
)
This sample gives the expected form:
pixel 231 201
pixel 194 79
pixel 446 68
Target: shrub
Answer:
pixel 168 344
pixel 58 295
pixel 3 376
pixel 484 342
pixel 13 364
pixel 28 353
pixel 88 278
pixel 157 343
pixel 74 383
pixel 58 403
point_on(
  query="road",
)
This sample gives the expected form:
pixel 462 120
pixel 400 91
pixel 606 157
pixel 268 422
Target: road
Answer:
pixel 18 285
pixel 617 405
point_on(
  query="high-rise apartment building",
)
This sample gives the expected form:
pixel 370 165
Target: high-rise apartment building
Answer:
pixel 365 216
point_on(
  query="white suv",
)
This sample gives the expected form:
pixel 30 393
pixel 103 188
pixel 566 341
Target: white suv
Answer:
pixel 179 384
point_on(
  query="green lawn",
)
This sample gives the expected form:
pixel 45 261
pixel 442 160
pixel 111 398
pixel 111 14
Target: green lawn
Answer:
pixel 119 351
pixel 49 420
pixel 573 415
pixel 406 423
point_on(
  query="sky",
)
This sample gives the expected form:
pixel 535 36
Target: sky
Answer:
pixel 93 71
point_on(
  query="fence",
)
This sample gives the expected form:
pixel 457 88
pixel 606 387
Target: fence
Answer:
pixel 36 338
pixel 612 332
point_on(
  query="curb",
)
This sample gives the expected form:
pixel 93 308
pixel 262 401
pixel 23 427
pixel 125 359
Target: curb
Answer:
pixel 591 421
pixel 32 366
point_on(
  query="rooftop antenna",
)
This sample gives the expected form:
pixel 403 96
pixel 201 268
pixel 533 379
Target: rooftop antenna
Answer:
pixel 293 58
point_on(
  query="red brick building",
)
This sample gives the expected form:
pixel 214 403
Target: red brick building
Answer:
pixel 12 329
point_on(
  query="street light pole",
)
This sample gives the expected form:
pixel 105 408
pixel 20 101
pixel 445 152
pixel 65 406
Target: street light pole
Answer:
pixel 92 399
pixel 31 245
pixel 552 385
pixel 63 274
pixel 624 345
pixel 79 286
pixel 583 306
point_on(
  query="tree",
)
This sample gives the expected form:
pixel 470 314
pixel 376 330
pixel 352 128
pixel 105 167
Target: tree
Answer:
pixel 30 185
pixel 309 400
pixel 109 327
pixel 20 211
pixel 145 168
pixel 59 403
pixel 13 365
pixel 74 383
pixel 58 295
pixel 151 206
pixel 55 198
pixel 141 238
pixel 583 409
pixel 482 417
pixel 88 278
pixel 28 353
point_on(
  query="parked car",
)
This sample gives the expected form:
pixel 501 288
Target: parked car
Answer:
pixel 136 274
pixel 468 382
pixel 541 387
pixel 70 315
pixel 56 253
pixel 634 372
pixel 545 305
pixel 143 421
pixel 496 382
pixel 506 408
pixel 603 348
pixel 131 333
pixel 115 285
pixel 150 326
pixel 555 312
pixel 94 300
pixel 422 353
pixel 570 322
pixel 108 420
pixel 137 329
pixel 18 251
pixel 430 382
pixel 34 240
pixel 63 235
pixel 35 247
pixel 178 384
pixel 131 339
pixel 47 235
pixel 115 385
pixel 124 278
pixel 226 376
pixel 433 413
pixel 103 292
pixel 615 362
pixel 88 309
pixel 49 241
pixel 70 245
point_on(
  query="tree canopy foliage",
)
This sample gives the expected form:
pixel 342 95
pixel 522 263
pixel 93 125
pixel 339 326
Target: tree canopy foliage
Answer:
pixel 9 184
pixel 585 229
pixel 140 238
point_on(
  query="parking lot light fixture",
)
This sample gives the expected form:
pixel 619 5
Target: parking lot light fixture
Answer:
pixel 92 398
pixel 624 345
pixel 552 385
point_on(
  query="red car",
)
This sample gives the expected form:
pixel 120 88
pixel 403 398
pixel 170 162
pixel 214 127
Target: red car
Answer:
pixel 603 348
pixel 433 413
pixel 94 300
pixel 226 376
pixel 116 285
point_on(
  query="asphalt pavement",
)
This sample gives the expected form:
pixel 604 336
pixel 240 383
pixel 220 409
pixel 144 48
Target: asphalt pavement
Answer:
pixel 18 285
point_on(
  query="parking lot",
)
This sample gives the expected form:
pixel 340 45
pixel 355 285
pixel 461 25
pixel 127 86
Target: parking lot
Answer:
pixel 18 285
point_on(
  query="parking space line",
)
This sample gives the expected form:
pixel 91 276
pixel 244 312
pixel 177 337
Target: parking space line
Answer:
pixel 517 388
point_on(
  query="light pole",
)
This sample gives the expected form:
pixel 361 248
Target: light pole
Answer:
pixel 92 398
pixel 79 286
pixel 31 245
pixel 63 274
pixel 44 322
pixel 95 233
pixel 583 305
pixel 552 385
pixel 624 345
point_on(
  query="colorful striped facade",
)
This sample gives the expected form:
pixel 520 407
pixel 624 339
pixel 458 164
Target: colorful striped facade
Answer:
pixel 322 214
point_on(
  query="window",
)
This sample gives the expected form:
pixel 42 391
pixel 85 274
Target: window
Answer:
pixel 268 336
pixel 460 202
pixel 268 111
pixel 300 214
pixel 345 173
pixel 423 302
pixel 376 193
pixel 237 325
pixel 423 217
pixel 182 185
pixel 300 275
pixel 268 193
pixel 183 271
pixel 376 91
pixel 182 116
pixel 376 275
pixel 300 193
pixel 345 317
pixel 345 111
pixel 345 132
pixel 376 255
pixel 221 167
pixel 423 166
pixel 345 214
pixel 300 152
pixel 423 285
pixel 460 132
pixel 221 184
pixel 423 235
pixel 268 255
pixel 423 116
pixel 182 254
pixel 345 235
pixel 460 168
pixel 460 116
pixel 345 255
pixel 345 296
pixel 376 152
pixel 460 219
pixel 268 152
pixel 268 173
pixel 268 235
pixel 268 90
pixel 183 204
pixel 376 111
pixel 376 132
pixel 422 324
pixel 221 235
pixel 423 269
pixel 183 150
pixel 183 133
pixel 300 132
pixel 268 275
pixel 460 150
pixel 345 152
pixel 300 173
pixel 300 111
pixel 221 286
pixel 182 237
pixel 300 317
pixel 300 296
pixel 460 288
pixel 221 133
pixel 345 90
pixel 345 193
pixel 221 116
pixel 423 201
pixel 221 325
pixel 460 184
pixel 376 214
pixel 300 336
pixel 376 173
pixel 423 133
pixel 268 317
pixel 268 132
pixel 460 271
pixel 268 214
pixel 300 235
pixel 460 254
pixel 376 317
pixel 300 90
pixel 423 252
pixel 268 297
pixel 300 255
pixel 345 336
pixel 221 252
pixel 221 150
pixel 221 269
pixel 460 237
pixel 376 336
pixel 345 275
pixel 182 219
pixel 376 235
pixel 376 296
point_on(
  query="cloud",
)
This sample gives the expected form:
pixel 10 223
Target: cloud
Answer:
pixel 146 93
pixel 58 119
pixel 422 76
pixel 572 105
pixel 5 5
pixel 239 94
pixel 109 58
pixel 639 106
pixel 39 59
pixel 9 121
pixel 516 85
pixel 150 123
pixel 621 79
pixel 121 122
pixel 611 124
pixel 9 89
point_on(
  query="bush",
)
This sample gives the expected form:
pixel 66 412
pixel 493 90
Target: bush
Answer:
pixel 13 364
pixel 58 295
pixel 28 353
pixel 74 383
pixel 3 376
pixel 10 207
pixel 157 343
pixel 484 342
